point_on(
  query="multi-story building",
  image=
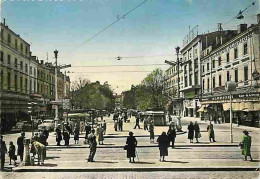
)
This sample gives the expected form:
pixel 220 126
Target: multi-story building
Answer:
pixel 175 104
pixel 23 80
pixel 237 59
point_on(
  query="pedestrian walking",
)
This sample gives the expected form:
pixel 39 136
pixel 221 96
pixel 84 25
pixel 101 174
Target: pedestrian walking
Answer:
pixel 99 134
pixel 151 130
pixel 146 123
pixel 171 134
pixel 36 137
pixel 137 120
pixel 11 153
pixel 76 134
pixel 20 149
pixel 104 126
pixel 58 135
pixel 131 147
pixel 92 145
pixel 164 143
pixel 211 133
pixel 42 138
pixel 246 145
pixel 120 123
pixel 3 152
pixel 87 132
pixel 191 132
pixel 125 116
pixel 40 150
pixel 46 133
pixel 197 131
pixel 115 124
pixel 66 137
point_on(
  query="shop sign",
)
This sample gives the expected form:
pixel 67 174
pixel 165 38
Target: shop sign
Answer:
pixel 248 95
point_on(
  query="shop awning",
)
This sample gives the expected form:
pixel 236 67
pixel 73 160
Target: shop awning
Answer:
pixel 241 106
pixel 249 107
pixel 226 106
pixel 201 109
pixel 236 106
pixel 256 106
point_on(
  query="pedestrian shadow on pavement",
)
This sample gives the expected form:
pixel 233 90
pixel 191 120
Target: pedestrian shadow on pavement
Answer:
pixel 144 162
pixel 47 158
pixel 105 161
pixel 49 165
pixel 175 161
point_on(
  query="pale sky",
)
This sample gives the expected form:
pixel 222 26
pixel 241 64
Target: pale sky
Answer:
pixel 148 35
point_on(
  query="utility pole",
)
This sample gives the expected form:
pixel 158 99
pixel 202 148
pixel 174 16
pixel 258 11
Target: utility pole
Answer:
pixel 56 119
pixel 178 70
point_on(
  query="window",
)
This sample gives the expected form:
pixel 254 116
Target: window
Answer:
pixel 15 82
pixel 236 75
pixel 21 83
pixel 34 72
pixel 30 70
pixel 196 63
pixel 186 81
pixel 30 86
pixel 15 62
pixel 208 66
pixel 190 67
pixel 15 44
pixel 9 38
pixel 34 87
pixel 203 84
pixel 21 47
pixel 219 61
pixel 8 80
pixel 235 53
pixel 213 82
pixel 21 65
pixel 2 56
pixel 227 55
pixel 8 59
pixel 1 78
pixel 196 78
pixel 245 73
pixel 228 76
pixel 245 49
pixel 185 69
pixel 208 84
pixel 26 50
pixel 26 68
pixel 190 80
pixel 202 68
pixel 213 63
pixel 219 80
pixel 26 81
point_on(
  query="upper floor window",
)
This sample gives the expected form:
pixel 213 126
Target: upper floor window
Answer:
pixel 203 84
pixel 8 59
pixel 26 67
pixel 219 80
pixel 15 62
pixel 227 57
pixel 30 70
pixel 228 76
pixel 2 56
pixel 236 75
pixel 245 73
pixel 9 38
pixel 21 47
pixel 16 44
pixel 245 49
pixel 235 53
pixel 26 50
pixel 213 82
pixel 219 61
pixel 21 65
pixel 208 66
pixel 213 63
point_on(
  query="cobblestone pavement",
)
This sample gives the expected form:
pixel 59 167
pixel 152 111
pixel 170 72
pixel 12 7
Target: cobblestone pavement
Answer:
pixel 131 175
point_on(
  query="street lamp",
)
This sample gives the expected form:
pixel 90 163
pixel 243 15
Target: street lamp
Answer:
pixel 56 119
pixel 230 86
pixel 32 107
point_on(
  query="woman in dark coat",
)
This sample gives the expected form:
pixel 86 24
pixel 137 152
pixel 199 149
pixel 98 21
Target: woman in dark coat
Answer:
pixel 131 145
pixel 151 130
pixel 197 131
pixel 76 134
pixel 171 134
pixel 164 143
pixel 191 132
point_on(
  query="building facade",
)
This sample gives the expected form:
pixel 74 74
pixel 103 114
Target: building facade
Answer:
pixel 235 60
pixel 23 79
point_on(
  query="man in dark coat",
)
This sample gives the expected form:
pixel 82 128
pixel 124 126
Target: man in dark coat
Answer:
pixel 87 130
pixel 120 124
pixel 66 137
pixel 42 138
pixel 3 151
pixel 58 135
pixel 92 145
pixel 20 145
pixel 131 145
pixel 191 132
pixel 137 120
pixel 164 143
pixel 171 134
pixel 46 133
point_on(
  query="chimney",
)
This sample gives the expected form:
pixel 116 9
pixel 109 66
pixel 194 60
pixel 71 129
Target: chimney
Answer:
pixel 4 21
pixel 258 18
pixel 42 62
pixel 241 28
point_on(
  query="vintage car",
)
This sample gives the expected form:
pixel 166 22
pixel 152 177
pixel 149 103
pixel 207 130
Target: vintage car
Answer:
pixel 48 124
pixel 21 126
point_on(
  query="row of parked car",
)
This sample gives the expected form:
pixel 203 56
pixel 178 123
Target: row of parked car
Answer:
pixel 38 124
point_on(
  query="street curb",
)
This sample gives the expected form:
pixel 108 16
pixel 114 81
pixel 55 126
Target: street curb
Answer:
pixel 144 146
pixel 177 169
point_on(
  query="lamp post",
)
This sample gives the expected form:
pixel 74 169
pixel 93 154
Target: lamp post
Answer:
pixel 230 86
pixel 32 107
pixel 56 119
pixel 178 61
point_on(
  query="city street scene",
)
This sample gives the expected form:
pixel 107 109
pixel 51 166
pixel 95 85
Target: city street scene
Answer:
pixel 130 89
